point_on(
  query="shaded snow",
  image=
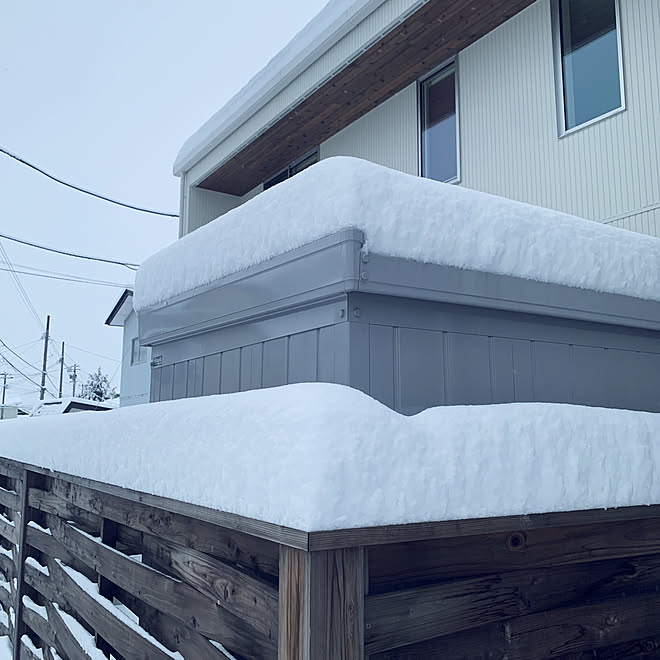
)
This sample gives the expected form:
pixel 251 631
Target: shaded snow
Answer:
pixel 320 456
pixel 410 217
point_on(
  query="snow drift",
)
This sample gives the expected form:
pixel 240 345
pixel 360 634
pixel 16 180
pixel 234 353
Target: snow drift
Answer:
pixel 319 456
pixel 410 217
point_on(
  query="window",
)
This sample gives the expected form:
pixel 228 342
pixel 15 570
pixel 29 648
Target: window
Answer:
pixel 439 126
pixel 139 353
pixel 589 66
pixel 293 169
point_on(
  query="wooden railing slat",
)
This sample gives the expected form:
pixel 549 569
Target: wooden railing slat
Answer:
pixel 252 552
pixel 178 599
pixel 9 499
pixel 409 616
pixel 60 587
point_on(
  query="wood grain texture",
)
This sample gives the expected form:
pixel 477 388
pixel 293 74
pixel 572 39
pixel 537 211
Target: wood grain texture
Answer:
pixel 405 565
pixel 243 617
pixel 434 33
pixel 321 605
pixel 476 526
pixel 254 553
pixel 410 616
pixel 59 587
pixel 26 479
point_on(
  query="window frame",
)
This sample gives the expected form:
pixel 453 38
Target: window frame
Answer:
pixel 142 351
pixel 451 63
pixel 287 170
pixel 559 74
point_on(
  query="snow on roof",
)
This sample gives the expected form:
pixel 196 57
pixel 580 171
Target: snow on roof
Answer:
pixel 356 462
pixel 411 217
pixel 69 404
pixel 334 21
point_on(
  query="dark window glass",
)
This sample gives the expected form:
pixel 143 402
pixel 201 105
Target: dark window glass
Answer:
pixel 590 59
pixel 292 170
pixel 439 139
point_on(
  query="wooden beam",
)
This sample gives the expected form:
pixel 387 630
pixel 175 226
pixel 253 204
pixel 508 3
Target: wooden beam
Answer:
pixel 321 605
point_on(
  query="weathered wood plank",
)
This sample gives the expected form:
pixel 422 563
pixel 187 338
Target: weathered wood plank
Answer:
pixel 9 499
pixel 240 612
pixel 5 599
pixel 321 605
pixel 64 639
pixel 105 586
pixel 404 565
pixel 60 587
pixel 40 626
pixel 342 538
pixel 8 531
pixel 172 633
pixel 585 628
pixel 12 469
pixel 638 649
pixel 409 616
pixel 253 553
pixel 7 567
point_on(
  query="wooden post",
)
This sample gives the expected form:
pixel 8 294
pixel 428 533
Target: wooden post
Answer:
pixel 106 587
pixel 21 552
pixel 321 604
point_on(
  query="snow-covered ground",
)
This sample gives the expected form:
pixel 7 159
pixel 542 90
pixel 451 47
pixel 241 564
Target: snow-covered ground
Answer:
pixel 410 217
pixel 321 456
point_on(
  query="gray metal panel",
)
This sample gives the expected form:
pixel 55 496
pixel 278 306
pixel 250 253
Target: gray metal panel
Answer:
pixel 553 372
pixel 154 388
pixel 311 273
pixel 180 381
pixel 275 358
pixel 303 357
pixel 421 370
pixel 251 362
pixel 468 368
pixel 333 354
pixel 211 382
pixel 198 384
pixel 230 374
pixel 360 357
pixel 166 382
pixel 381 363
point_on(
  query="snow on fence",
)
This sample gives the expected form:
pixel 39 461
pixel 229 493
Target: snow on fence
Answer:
pixel 89 568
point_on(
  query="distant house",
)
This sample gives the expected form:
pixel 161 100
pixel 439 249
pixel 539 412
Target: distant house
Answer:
pixel 12 412
pixel 551 102
pixel 135 373
pixel 68 405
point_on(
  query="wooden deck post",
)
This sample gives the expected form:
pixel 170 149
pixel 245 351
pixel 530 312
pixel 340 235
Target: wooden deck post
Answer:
pixel 321 604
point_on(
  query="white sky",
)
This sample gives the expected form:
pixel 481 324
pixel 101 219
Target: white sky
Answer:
pixel 103 95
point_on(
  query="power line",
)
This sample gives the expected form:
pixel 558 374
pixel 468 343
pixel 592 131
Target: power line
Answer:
pixel 84 190
pixel 105 357
pixel 19 286
pixel 69 254
pixel 17 370
pixel 79 280
pixel 19 357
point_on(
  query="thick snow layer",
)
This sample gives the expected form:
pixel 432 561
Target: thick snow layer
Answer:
pixel 411 217
pixel 318 36
pixel 320 456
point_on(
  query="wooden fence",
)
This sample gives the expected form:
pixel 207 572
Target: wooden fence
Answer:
pixel 91 568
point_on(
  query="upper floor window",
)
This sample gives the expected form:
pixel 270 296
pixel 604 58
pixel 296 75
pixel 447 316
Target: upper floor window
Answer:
pixel 440 125
pixel 139 354
pixel 293 169
pixel 587 38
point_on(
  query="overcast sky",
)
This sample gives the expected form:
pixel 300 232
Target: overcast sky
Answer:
pixel 103 95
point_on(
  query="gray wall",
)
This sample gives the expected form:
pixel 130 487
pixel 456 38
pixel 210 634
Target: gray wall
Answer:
pixel 412 355
pixel 135 378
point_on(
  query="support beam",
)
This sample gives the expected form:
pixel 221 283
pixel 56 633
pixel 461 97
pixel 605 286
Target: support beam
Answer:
pixel 321 604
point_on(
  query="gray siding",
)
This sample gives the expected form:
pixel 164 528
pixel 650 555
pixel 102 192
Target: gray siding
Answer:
pixel 135 378
pixel 387 135
pixel 608 171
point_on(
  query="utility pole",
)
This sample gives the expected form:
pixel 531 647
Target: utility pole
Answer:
pixel 74 377
pixel 4 389
pixel 61 370
pixel 42 394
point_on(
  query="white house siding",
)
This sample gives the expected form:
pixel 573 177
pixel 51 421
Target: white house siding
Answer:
pixel 365 33
pixel 387 135
pixel 608 171
pixel 135 378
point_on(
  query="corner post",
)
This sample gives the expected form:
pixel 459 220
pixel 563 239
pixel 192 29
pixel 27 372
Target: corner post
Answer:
pixel 321 604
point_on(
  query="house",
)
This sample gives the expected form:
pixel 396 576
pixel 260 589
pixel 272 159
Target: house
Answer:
pixel 551 102
pixel 68 405
pixel 135 372
pixel 548 102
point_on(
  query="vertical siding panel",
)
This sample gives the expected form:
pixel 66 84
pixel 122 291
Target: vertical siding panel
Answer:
pixel 381 367
pixel 180 382
pixel 274 370
pixel 359 357
pixel 166 382
pixel 154 391
pixel 303 357
pixel 230 372
pixel 211 382
pixel 468 369
pixel 509 143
